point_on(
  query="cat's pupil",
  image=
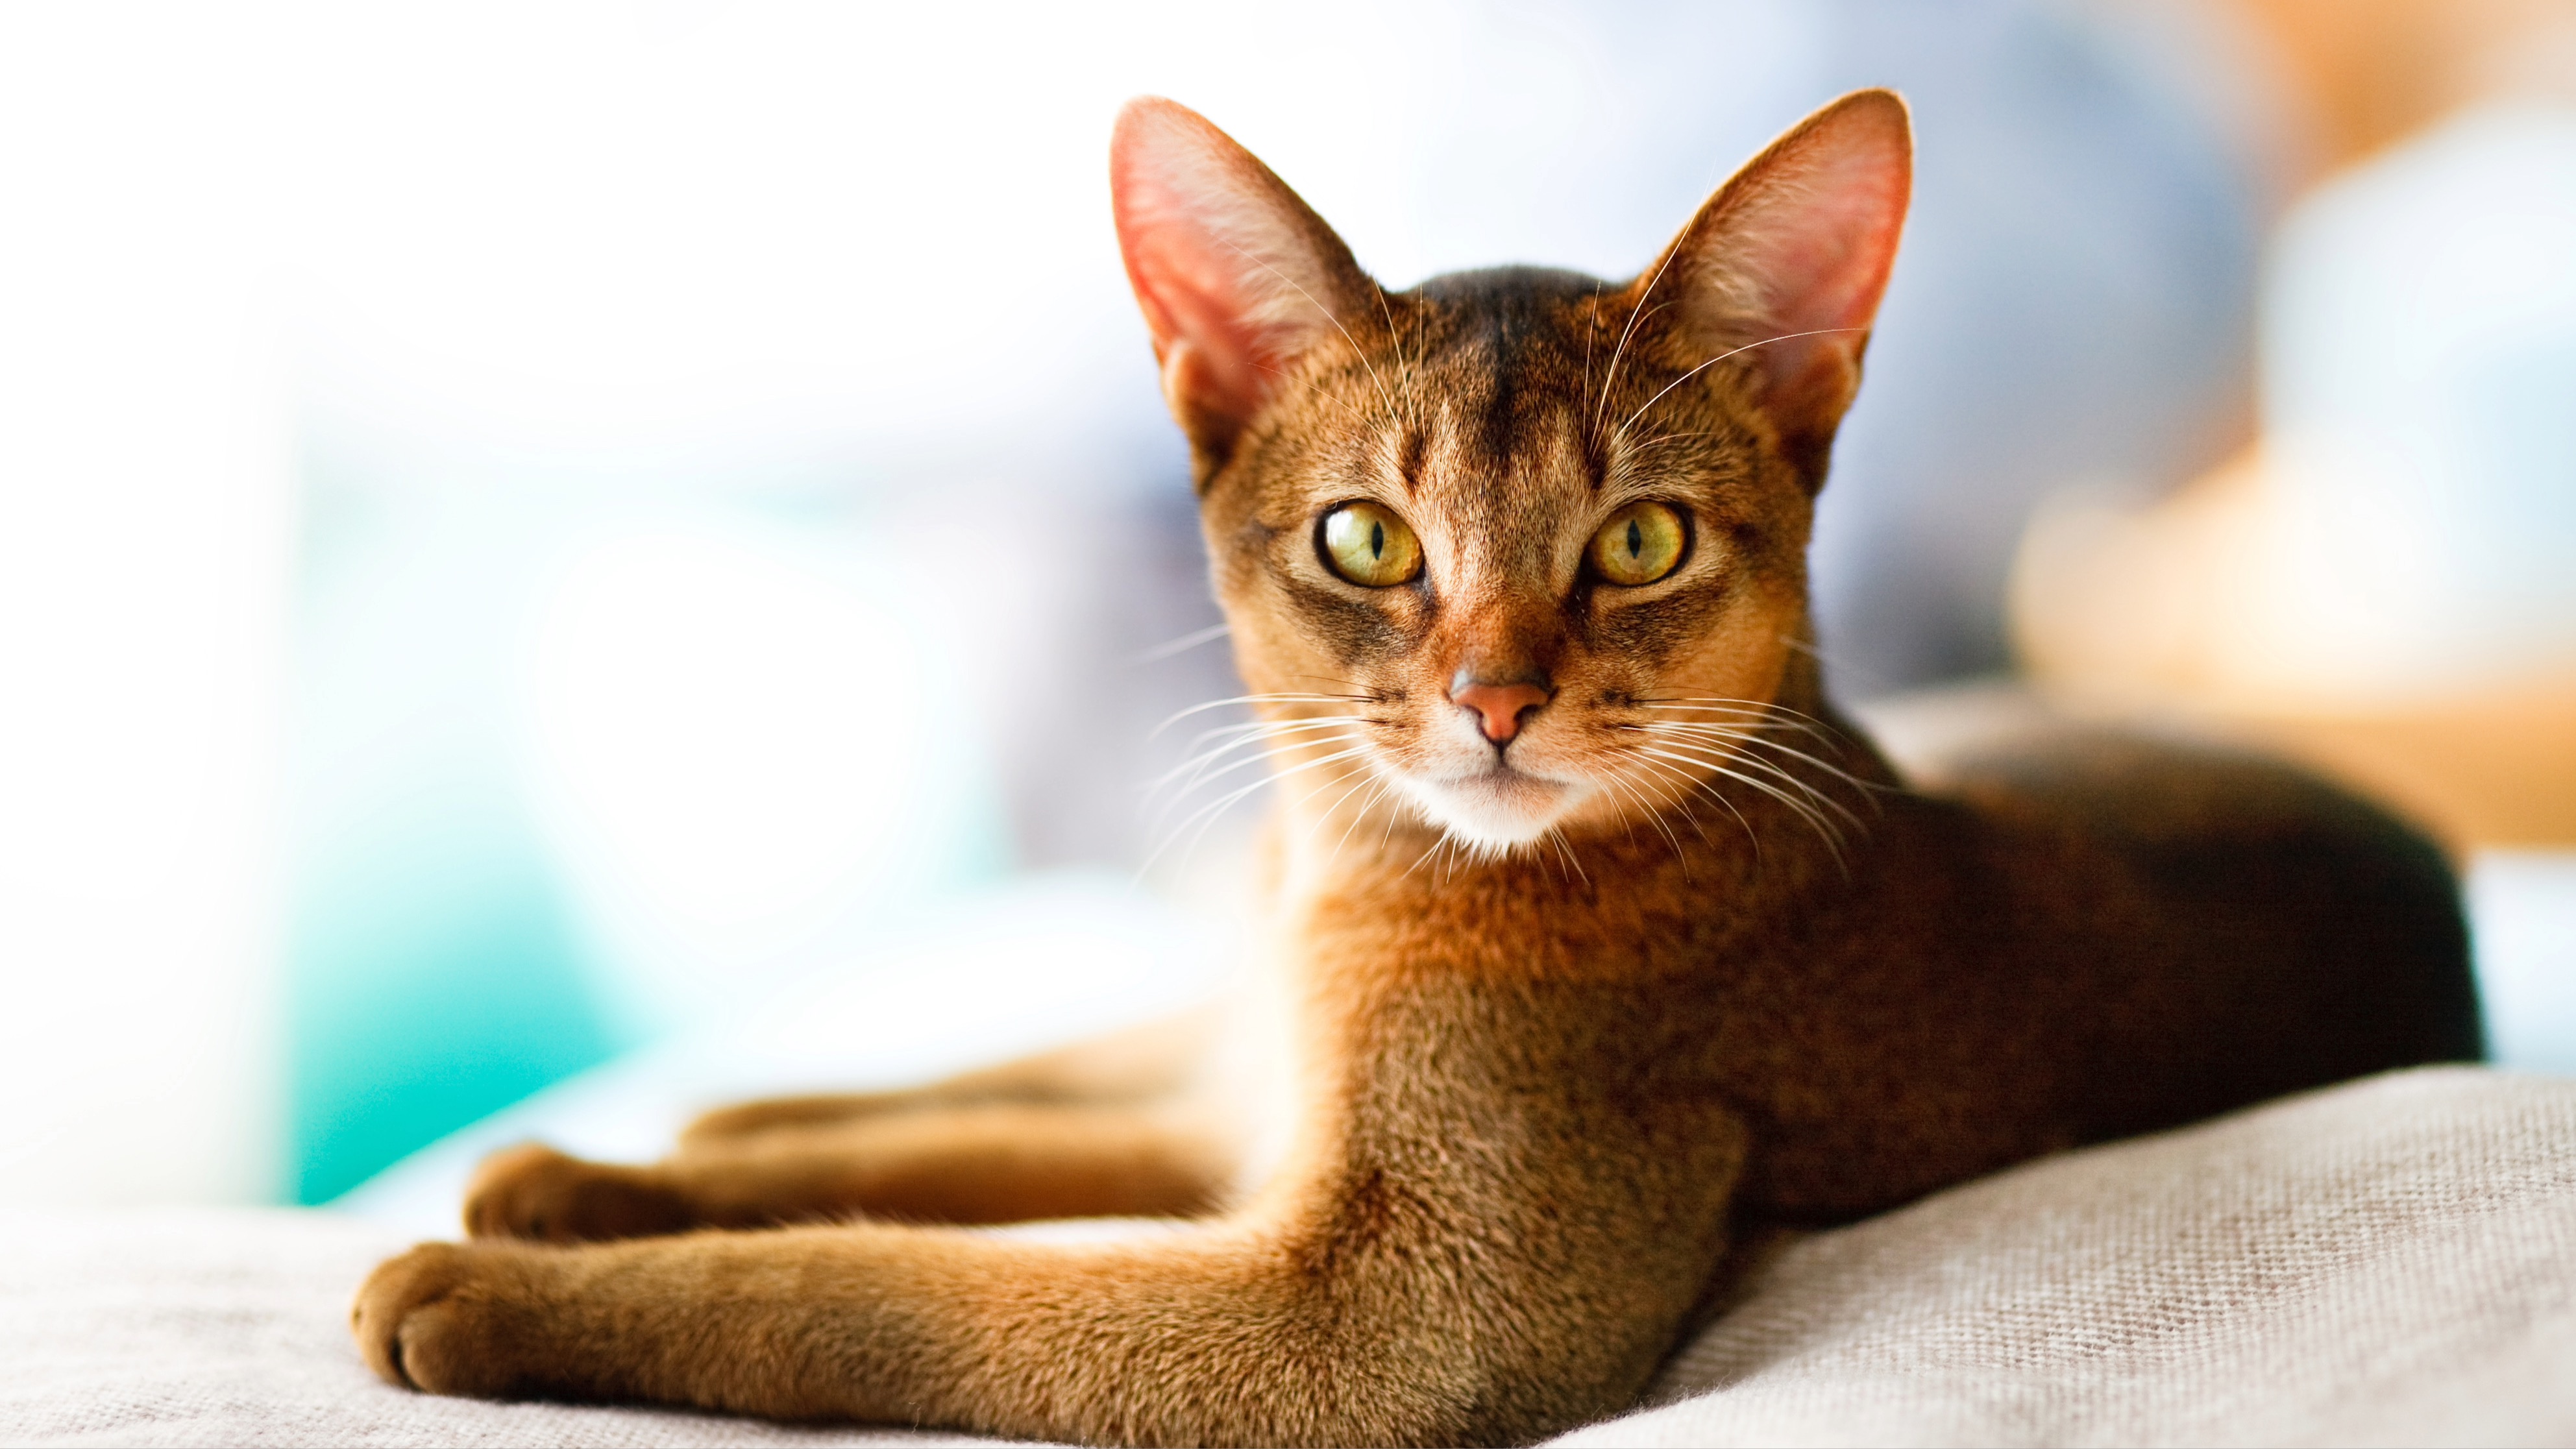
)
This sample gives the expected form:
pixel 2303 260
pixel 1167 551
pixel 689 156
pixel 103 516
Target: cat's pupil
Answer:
pixel 1377 540
pixel 1636 539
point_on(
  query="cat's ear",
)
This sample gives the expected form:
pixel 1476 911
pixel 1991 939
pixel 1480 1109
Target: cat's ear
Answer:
pixel 1787 262
pixel 1235 274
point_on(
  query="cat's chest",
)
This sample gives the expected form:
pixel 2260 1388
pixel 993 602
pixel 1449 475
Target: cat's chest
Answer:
pixel 1624 924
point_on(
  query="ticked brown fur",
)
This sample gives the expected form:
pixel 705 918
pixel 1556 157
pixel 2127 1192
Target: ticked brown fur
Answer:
pixel 1559 1015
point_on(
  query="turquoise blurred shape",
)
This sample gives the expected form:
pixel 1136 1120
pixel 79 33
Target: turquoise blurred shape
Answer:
pixel 435 979
pixel 579 762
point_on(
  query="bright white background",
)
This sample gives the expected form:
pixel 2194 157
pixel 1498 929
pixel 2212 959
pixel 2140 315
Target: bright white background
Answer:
pixel 668 239
pixel 669 252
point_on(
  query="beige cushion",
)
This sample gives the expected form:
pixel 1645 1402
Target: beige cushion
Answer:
pixel 2392 1261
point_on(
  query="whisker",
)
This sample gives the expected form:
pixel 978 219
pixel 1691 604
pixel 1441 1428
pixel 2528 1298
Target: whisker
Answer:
pixel 1374 795
pixel 1681 801
pixel 1366 692
pixel 1374 380
pixel 1657 820
pixel 1265 726
pixel 1627 823
pixel 1405 365
pixel 1804 787
pixel 1263 758
pixel 1386 836
pixel 1708 788
pixel 1704 758
pixel 1746 724
pixel 1204 764
pixel 1206 816
pixel 1747 719
pixel 1325 816
pixel 1656 810
pixel 1870 790
pixel 1712 362
pixel 1711 755
pixel 1611 375
pixel 1565 850
pixel 1778 718
pixel 1267 743
pixel 1434 849
pixel 1181 796
pixel 1764 707
pixel 1765 719
pixel 1178 715
pixel 1183 644
pixel 1629 453
pixel 1338 777
pixel 1591 326
pixel 1823 825
pixel 1197 764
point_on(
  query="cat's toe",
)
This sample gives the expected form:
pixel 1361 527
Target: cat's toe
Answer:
pixel 432 1319
pixel 532 1191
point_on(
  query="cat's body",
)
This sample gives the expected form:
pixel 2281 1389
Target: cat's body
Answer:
pixel 1616 942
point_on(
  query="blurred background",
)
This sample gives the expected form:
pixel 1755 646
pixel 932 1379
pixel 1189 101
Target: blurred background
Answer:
pixel 544 544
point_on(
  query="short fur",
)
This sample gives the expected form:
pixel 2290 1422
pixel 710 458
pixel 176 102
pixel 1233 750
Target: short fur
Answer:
pixel 1566 1017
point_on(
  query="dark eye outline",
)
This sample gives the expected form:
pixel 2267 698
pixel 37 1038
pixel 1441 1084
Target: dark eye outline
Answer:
pixel 1332 565
pixel 1690 543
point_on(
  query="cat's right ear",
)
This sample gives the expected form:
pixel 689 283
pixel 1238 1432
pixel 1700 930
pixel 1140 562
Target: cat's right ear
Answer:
pixel 1235 274
pixel 1786 263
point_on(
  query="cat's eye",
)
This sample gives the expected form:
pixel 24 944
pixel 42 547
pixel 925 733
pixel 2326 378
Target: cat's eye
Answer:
pixel 1640 544
pixel 1370 546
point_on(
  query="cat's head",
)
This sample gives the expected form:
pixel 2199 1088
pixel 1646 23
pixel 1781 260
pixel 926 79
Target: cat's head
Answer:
pixel 1519 548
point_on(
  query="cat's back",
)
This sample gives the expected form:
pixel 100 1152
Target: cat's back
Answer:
pixel 2269 932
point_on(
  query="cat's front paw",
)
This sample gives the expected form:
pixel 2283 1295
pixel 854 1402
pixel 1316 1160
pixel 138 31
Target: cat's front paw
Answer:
pixel 532 1191
pixel 440 1319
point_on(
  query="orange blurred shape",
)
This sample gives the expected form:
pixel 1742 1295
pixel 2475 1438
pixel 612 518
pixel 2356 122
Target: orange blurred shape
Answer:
pixel 2371 72
pixel 2152 615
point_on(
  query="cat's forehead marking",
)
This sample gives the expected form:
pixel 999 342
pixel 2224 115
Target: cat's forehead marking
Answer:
pixel 1412 449
pixel 1503 401
pixel 1499 360
pixel 1500 513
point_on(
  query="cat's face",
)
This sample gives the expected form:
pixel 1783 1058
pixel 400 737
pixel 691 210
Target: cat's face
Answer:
pixel 1518 549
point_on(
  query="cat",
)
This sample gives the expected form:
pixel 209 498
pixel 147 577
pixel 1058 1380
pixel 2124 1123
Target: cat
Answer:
pixel 1605 945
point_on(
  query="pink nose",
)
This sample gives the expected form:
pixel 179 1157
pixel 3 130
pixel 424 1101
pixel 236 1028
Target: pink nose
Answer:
pixel 1499 707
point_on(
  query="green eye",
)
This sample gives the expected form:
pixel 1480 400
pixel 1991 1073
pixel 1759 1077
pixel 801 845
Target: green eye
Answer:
pixel 1640 544
pixel 1370 546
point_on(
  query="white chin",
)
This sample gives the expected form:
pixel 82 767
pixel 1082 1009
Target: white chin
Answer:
pixel 1493 813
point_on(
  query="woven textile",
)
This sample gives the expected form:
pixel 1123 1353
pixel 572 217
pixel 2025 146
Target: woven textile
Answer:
pixel 2392 1261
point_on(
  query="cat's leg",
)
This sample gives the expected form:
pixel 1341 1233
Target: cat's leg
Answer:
pixel 1436 1293
pixel 989 1162
pixel 1138 1062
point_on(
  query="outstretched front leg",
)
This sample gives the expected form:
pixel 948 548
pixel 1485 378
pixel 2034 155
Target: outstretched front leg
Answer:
pixel 1140 1063
pixel 1491 1273
pixel 996 1163
pixel 1110 1127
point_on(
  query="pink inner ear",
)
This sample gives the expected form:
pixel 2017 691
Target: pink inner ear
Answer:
pixel 1802 242
pixel 1836 250
pixel 1195 309
pixel 1226 263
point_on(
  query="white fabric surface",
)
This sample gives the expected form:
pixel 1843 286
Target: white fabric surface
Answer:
pixel 2392 1261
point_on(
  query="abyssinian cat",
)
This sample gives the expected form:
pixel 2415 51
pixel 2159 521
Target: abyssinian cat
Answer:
pixel 1603 942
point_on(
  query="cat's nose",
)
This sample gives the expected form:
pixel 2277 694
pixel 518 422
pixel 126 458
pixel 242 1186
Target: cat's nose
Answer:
pixel 1499 707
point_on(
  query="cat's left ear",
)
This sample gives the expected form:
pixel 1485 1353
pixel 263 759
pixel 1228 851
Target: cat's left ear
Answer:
pixel 1786 263
pixel 1236 275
